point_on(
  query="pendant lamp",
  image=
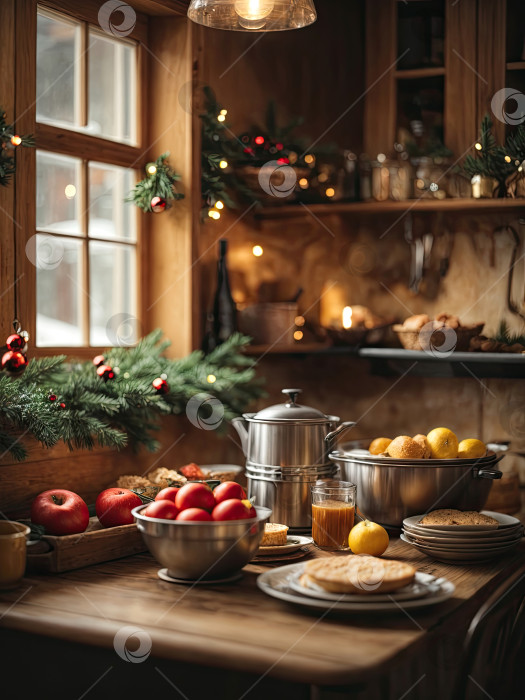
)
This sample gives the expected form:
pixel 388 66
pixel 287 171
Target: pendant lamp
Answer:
pixel 253 15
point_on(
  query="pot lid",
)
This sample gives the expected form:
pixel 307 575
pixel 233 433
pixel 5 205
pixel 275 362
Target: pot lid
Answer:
pixel 290 410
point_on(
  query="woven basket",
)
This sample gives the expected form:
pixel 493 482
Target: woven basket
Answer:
pixel 411 340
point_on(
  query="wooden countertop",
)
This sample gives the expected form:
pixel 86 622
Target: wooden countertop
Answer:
pixel 236 626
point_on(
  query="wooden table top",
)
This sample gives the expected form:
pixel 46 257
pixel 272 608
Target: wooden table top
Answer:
pixel 236 626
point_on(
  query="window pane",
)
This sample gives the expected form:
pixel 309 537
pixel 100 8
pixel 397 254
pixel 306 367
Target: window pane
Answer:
pixel 57 71
pixel 58 189
pixel 109 215
pixel 58 291
pixel 112 271
pixel 111 88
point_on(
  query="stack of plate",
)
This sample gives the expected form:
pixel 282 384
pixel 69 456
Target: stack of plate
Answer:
pixel 296 547
pixel 464 543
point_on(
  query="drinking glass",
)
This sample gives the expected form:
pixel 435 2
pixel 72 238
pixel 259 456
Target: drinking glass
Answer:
pixel 333 510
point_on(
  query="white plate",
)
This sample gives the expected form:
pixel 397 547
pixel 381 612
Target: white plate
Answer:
pixel 222 468
pixel 492 535
pixel 503 520
pixel 462 541
pixel 275 583
pixel 293 543
pixel 423 585
pixel 446 556
pixel 463 547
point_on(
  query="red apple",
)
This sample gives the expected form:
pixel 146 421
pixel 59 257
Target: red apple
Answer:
pixel 61 512
pixel 168 494
pixel 248 504
pixel 232 509
pixel 165 510
pixel 227 490
pixel 113 506
pixel 195 496
pixel 194 514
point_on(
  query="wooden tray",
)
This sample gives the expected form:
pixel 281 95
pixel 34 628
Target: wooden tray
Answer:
pixel 54 554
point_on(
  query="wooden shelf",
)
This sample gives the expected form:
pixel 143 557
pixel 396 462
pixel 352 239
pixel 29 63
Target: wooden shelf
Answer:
pixel 516 65
pixel 415 73
pixel 390 207
pixel 396 361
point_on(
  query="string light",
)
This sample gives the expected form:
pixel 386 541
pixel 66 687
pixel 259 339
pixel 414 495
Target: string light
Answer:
pixel 214 214
pixel 508 159
pixel 381 157
pixel 224 112
pixel 309 158
pixel 259 140
pixel 303 183
pixel 298 335
pixel 219 204
pixel 257 251
pixel 299 321
pixel 16 140
pixel 223 164
pixel 478 146
pixel 211 378
pixel 151 168
pixel 70 191
pixel 330 192
pixel 221 118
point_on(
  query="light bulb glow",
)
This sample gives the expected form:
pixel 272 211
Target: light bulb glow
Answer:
pixel 309 158
pixel 299 321
pixel 224 112
pixel 478 146
pixel 507 159
pixel 298 335
pixel 330 192
pixel 221 118
pixel 151 168
pixel 257 251
pixel 223 164
pixel 253 13
pixel 219 204
pixel 70 191
pixel 16 140
pixel 211 378
pixel 347 317
pixel 214 214
pixel 303 183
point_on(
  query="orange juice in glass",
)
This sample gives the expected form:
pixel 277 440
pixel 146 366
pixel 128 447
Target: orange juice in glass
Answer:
pixel 333 510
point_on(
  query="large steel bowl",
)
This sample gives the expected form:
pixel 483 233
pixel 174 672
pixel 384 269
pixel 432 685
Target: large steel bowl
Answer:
pixel 202 550
pixel 390 490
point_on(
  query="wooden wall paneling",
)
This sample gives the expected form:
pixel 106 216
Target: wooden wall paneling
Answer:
pixel 491 49
pixel 461 79
pixel 169 235
pixel 197 310
pixel 8 225
pixel 380 65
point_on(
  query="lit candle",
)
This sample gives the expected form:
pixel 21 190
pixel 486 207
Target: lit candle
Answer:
pixel 347 317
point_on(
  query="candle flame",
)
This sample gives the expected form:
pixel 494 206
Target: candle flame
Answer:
pixel 347 317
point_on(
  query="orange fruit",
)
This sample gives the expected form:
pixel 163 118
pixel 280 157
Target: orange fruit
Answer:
pixel 404 447
pixel 471 449
pixel 422 440
pixel 368 538
pixel 443 443
pixel 379 445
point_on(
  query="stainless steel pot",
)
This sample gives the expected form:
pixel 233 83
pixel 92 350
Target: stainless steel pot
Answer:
pixel 287 491
pixel 389 490
pixel 289 434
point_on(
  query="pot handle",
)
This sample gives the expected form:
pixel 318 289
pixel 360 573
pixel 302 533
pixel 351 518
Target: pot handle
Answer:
pixel 489 474
pixel 345 425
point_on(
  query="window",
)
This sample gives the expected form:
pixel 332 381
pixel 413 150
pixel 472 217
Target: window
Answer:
pixel 86 241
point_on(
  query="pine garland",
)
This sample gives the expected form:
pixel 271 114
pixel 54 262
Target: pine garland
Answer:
pixel 9 141
pixel 124 410
pixel 160 182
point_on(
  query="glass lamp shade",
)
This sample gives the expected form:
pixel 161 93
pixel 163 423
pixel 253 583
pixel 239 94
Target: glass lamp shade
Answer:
pixel 253 15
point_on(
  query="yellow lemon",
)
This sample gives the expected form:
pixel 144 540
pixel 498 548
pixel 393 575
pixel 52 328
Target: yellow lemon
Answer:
pixel 471 449
pixel 443 443
pixel 379 445
pixel 368 538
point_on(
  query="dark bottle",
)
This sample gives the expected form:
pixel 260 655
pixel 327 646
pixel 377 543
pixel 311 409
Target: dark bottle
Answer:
pixel 224 318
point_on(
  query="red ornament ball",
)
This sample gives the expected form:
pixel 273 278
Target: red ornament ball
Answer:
pixel 161 385
pixel 105 372
pixel 15 342
pixel 52 397
pixel 62 405
pixel 14 362
pixel 158 204
pixel 98 360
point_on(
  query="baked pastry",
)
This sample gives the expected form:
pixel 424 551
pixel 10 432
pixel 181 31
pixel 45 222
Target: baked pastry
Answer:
pixel 404 447
pixel 358 574
pixel 450 516
pixel 422 440
pixel 379 446
pixel 166 477
pixel 274 535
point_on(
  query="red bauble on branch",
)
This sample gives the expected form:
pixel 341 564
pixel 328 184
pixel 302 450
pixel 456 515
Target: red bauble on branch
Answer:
pixel 158 205
pixel 161 385
pixel 98 360
pixel 105 372
pixel 14 363
pixel 15 342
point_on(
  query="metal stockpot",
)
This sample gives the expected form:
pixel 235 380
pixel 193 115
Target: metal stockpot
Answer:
pixel 287 491
pixel 289 434
pixel 390 490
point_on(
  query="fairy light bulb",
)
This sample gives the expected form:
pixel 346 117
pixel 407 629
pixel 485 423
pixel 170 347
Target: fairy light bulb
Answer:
pixel 303 183
pixel 508 159
pixel 219 204
pixel 478 146
pixel 347 317
pixel 299 321
pixel 214 214
pixel 330 192
pixel 257 251
pixel 221 117
pixel 223 164
pixel 16 140
pixel 151 168
pixel 298 335
pixel 224 112
pixel 211 378
pixel 253 14
pixel 70 191
pixel 309 158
